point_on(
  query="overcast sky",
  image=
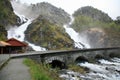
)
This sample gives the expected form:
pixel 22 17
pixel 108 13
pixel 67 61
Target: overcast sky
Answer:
pixel 111 7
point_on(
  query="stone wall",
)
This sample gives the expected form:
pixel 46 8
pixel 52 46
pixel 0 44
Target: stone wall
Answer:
pixel 3 59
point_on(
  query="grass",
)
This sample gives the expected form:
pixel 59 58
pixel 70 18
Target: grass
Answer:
pixel 77 68
pixel 41 71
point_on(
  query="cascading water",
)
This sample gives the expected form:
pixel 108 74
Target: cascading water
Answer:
pixel 79 41
pixel 104 70
pixel 18 31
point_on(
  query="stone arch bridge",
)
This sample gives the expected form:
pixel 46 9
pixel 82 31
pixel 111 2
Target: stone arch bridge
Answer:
pixel 63 58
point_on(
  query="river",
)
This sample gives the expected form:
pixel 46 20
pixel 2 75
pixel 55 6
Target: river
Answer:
pixel 101 70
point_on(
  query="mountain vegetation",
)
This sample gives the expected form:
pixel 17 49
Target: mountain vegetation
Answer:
pixel 3 33
pixel 87 17
pixel 94 13
pixel 7 17
pixel 49 35
pixel 100 29
pixel 46 30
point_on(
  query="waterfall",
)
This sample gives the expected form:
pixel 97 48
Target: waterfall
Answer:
pixel 17 32
pixel 79 40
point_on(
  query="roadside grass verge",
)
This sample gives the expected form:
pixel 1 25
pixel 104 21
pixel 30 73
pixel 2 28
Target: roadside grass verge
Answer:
pixel 41 71
pixel 77 68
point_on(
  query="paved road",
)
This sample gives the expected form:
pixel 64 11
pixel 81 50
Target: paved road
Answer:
pixel 15 70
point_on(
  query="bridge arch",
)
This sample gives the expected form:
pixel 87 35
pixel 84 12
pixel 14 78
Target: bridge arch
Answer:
pixel 81 59
pixel 113 54
pixel 50 59
pixel 57 64
pixel 99 56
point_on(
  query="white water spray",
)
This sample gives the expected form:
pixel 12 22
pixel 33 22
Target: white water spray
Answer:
pixel 104 70
pixel 17 32
pixel 79 41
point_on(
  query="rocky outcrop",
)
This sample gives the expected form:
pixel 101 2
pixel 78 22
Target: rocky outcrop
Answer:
pixel 55 15
pixel 49 35
pixel 7 17
pixel 93 13
pixel 96 37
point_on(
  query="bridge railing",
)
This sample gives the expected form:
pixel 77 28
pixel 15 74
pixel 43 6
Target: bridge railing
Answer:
pixel 61 52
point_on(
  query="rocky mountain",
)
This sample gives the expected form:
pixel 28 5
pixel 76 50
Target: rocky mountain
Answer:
pixel 94 13
pixel 7 17
pixel 46 30
pixel 97 27
pixel 49 35
pixel 53 14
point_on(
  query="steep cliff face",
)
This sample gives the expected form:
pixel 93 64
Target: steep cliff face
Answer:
pixel 100 30
pixel 7 17
pixel 49 35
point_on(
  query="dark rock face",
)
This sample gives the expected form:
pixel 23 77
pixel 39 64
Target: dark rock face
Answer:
pixel 49 35
pixel 113 37
pixel 98 38
pixel 7 17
